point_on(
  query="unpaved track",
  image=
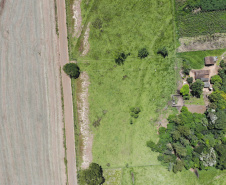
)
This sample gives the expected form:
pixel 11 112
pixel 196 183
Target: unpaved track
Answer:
pixel 68 106
pixel 31 135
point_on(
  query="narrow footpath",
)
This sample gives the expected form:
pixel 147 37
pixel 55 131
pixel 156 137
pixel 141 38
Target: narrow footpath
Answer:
pixel 68 105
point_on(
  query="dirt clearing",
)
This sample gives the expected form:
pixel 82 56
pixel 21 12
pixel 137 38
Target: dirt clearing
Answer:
pixel 31 130
pixel 77 18
pixel 205 42
pixel 83 118
pixel 196 108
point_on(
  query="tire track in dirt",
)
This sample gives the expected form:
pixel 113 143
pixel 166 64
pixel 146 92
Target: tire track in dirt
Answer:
pixel 67 92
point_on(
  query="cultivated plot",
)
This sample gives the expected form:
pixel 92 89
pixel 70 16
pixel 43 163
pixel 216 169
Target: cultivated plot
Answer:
pixel 31 129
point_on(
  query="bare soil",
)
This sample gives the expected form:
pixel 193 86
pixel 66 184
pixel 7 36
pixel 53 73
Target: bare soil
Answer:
pixel 77 18
pixel 31 129
pixel 2 5
pixel 85 44
pixel 68 105
pixel 83 118
pixel 196 108
pixel 204 42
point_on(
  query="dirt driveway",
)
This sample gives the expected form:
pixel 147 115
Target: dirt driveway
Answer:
pixel 68 105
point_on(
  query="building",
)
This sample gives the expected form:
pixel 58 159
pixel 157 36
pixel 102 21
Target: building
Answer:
pixel 202 75
pixel 210 61
pixel 206 85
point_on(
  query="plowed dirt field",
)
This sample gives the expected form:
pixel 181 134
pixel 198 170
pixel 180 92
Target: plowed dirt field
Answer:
pixel 31 128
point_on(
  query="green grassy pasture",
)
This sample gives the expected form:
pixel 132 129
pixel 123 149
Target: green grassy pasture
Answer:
pixel 195 101
pixel 128 26
pixel 159 175
pixel 196 58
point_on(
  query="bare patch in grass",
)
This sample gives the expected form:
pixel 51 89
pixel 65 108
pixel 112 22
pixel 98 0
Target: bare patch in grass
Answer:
pixel 204 42
pixel 77 18
pixel 83 118
pixel 85 44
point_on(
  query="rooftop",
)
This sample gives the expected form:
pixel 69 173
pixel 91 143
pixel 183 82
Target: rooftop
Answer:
pixel 210 60
pixel 202 74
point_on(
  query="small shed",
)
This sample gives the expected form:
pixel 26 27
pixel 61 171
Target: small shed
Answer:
pixel 202 75
pixel 210 61
pixel 206 84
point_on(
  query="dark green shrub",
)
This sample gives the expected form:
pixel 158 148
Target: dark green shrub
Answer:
pixel 143 53
pixel 186 67
pixel 97 23
pixel 178 166
pixel 222 64
pixel 190 80
pixel 163 51
pixel 92 176
pixel 185 92
pixel 197 88
pixel 134 112
pixel 120 59
pixel 216 78
pixel 72 70
pixel 216 86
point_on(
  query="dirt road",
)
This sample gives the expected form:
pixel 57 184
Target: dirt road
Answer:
pixel 31 128
pixel 68 106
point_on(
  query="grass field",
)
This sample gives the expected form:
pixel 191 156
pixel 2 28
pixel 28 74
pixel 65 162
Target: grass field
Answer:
pixel 196 58
pixel 195 101
pixel 116 26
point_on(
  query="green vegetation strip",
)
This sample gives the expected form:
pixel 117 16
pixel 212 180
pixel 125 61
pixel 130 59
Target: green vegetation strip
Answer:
pixel 196 58
pixel 78 140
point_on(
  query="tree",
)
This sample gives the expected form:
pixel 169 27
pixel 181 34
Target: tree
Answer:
pixel 163 51
pixel 190 80
pixel 208 159
pixel 180 150
pixel 197 88
pixel 72 70
pixel 121 57
pixel 222 64
pixel 184 109
pixel 221 120
pixel 134 112
pixel 216 86
pixel 93 175
pixel 176 135
pixel 216 79
pixel 221 151
pixel 185 92
pixel 143 53
pixel 186 67
pixel 152 145
pixel 178 166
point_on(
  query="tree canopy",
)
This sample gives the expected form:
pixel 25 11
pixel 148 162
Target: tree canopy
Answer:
pixel 191 140
pixel 72 70
pixel 143 53
pixel 216 79
pixel 92 176
pixel 163 51
pixel 185 91
pixel 197 88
